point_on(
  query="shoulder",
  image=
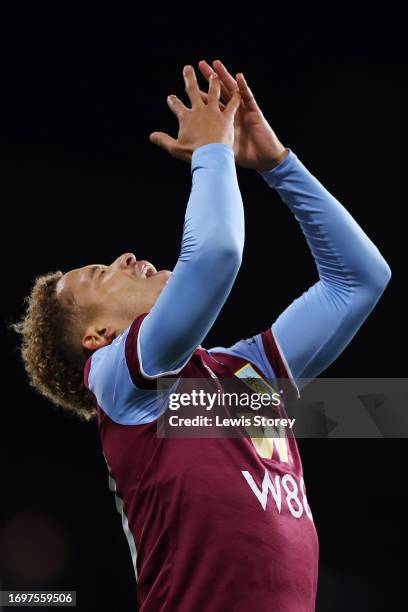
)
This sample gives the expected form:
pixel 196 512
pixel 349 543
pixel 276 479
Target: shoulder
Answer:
pixel 108 375
pixel 261 351
pixel 249 349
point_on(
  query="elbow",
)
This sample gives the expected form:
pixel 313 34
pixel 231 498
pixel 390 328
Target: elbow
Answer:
pixel 372 288
pixel 380 278
pixel 228 257
pixel 233 259
pixel 231 250
pixel 371 284
pixel 371 274
pixel 225 257
pixel 361 302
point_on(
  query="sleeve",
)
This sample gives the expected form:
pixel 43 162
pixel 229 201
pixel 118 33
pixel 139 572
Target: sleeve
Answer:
pixel 123 375
pixel 210 258
pixel 316 327
pixel 114 377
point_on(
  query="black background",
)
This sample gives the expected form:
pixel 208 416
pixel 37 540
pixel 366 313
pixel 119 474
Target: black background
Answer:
pixel 81 92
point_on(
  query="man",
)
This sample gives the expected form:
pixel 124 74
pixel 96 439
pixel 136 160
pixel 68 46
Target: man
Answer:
pixel 213 524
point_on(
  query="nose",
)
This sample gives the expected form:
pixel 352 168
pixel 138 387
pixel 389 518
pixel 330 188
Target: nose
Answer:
pixel 127 260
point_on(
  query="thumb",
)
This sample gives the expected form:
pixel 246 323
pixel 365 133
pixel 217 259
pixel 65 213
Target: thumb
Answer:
pixel 162 140
pixel 233 104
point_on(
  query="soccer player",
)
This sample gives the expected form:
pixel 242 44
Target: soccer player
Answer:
pixel 213 524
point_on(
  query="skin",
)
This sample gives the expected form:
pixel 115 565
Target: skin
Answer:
pixel 255 143
pixel 113 296
pixel 204 123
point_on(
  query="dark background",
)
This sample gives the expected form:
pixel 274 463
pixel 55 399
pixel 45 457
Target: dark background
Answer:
pixel 82 184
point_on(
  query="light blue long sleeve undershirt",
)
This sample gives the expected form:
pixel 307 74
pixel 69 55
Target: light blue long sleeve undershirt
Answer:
pixel 315 328
pixel 210 258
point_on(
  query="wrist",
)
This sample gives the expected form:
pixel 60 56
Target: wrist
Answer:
pixel 212 145
pixel 270 164
pixel 213 150
pixel 206 142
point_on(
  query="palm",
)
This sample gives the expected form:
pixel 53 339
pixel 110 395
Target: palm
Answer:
pixel 249 129
pixel 256 144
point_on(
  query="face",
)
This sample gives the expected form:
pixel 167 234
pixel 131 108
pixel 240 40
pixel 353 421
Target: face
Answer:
pixel 112 296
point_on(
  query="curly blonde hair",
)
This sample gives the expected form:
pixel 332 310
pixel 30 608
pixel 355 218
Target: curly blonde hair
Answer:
pixel 51 350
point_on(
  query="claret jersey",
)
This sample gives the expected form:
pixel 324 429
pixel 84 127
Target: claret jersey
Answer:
pixel 212 524
pixel 223 524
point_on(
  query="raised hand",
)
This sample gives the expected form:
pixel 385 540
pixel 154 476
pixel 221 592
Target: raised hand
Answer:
pixel 256 144
pixel 204 123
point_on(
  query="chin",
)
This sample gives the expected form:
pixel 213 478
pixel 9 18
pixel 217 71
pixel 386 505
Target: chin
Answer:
pixel 161 277
pixel 159 281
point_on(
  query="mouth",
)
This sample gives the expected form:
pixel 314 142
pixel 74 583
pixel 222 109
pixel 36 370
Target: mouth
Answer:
pixel 146 269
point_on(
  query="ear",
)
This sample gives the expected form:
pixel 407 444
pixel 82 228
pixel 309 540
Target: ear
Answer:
pixel 96 337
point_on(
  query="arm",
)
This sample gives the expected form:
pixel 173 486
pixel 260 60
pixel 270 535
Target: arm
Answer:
pixel 318 325
pixel 161 341
pixel 211 252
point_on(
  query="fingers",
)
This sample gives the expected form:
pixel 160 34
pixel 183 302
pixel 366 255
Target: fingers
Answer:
pixel 163 140
pixel 204 97
pixel 233 105
pixel 227 79
pixel 191 86
pixel 171 145
pixel 176 106
pixel 207 71
pixel 246 93
pixel 214 91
